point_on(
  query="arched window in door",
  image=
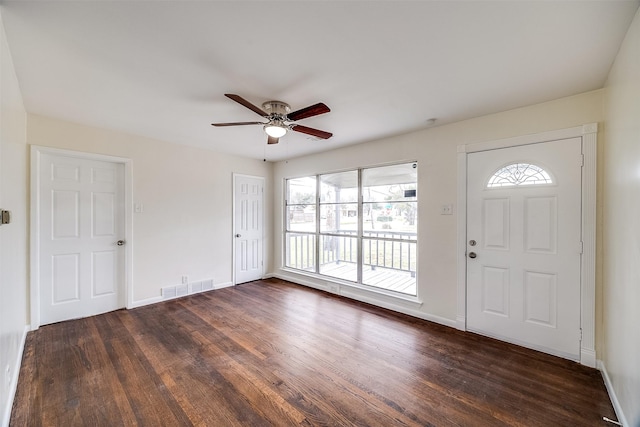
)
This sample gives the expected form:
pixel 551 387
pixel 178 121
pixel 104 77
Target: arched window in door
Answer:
pixel 519 174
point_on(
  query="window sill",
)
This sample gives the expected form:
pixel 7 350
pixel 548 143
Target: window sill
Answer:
pixel 415 300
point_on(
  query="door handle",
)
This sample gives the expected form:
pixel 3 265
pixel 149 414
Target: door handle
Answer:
pixel 472 255
pixel 120 242
pixel 238 235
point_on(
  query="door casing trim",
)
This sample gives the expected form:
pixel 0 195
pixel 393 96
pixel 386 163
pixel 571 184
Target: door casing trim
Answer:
pixel 36 153
pixel 588 133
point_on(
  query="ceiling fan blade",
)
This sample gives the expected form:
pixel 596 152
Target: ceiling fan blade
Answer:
pixel 311 131
pixel 240 100
pixel 236 124
pixel 312 110
pixel 272 140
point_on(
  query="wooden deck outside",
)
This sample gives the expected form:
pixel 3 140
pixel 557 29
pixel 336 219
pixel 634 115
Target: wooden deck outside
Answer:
pixel 383 278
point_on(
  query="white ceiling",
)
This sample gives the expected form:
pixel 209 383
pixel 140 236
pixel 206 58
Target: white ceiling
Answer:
pixel 160 68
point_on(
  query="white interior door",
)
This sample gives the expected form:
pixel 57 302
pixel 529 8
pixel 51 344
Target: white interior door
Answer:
pixel 524 245
pixel 248 228
pixel 81 233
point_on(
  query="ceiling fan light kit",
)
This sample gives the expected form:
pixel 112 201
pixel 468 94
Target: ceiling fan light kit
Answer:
pixel 276 129
pixel 280 118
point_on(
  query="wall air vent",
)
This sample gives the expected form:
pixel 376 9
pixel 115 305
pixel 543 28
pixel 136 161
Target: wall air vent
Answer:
pixel 184 289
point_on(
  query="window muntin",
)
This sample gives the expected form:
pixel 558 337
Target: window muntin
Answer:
pixel 377 249
pixel 517 174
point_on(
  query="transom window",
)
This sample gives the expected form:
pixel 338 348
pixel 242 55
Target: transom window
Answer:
pixel 519 174
pixel 358 226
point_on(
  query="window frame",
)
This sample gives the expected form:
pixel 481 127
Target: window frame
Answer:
pixel 359 234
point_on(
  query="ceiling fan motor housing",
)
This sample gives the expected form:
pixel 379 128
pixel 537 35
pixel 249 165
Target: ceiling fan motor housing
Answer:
pixel 277 108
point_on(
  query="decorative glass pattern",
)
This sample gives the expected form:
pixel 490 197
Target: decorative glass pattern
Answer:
pixel 519 174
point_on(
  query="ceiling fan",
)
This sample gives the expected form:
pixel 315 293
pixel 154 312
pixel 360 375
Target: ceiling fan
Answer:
pixel 280 118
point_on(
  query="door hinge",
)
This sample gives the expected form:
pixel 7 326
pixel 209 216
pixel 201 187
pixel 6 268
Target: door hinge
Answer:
pixel 581 159
pixel 580 334
pixel 581 246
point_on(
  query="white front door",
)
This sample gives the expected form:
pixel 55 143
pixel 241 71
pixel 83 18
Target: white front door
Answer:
pixel 81 232
pixel 524 245
pixel 248 228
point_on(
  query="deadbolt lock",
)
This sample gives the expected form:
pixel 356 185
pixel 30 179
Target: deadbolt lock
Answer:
pixel 472 242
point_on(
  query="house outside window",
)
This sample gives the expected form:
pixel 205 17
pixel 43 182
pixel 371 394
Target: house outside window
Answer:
pixel 358 226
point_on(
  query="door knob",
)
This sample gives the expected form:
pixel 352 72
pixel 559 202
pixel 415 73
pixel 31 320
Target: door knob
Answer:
pixel 120 242
pixel 472 255
pixel 238 235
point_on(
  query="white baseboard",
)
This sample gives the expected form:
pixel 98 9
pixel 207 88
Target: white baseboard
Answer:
pixel 588 357
pixel 155 300
pixel 223 285
pixel 400 309
pixel 6 417
pixel 612 394
pixel 369 300
pixel 143 302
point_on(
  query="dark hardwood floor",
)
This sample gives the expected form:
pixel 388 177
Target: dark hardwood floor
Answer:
pixel 274 353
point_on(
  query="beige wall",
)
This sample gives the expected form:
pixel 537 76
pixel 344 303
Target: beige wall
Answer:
pixel 13 236
pixel 186 226
pixel 435 151
pixel 622 226
pixel 186 192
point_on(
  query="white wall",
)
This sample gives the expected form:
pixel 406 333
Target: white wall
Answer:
pixel 622 226
pixel 186 226
pixel 13 236
pixel 435 151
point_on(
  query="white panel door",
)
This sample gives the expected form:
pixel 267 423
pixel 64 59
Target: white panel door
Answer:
pixel 524 245
pixel 81 221
pixel 248 224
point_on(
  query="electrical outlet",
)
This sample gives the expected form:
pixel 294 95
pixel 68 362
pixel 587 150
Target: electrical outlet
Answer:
pixel 185 279
pixel 333 288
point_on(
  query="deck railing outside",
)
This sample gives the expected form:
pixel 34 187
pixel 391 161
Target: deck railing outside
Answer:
pixel 394 250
